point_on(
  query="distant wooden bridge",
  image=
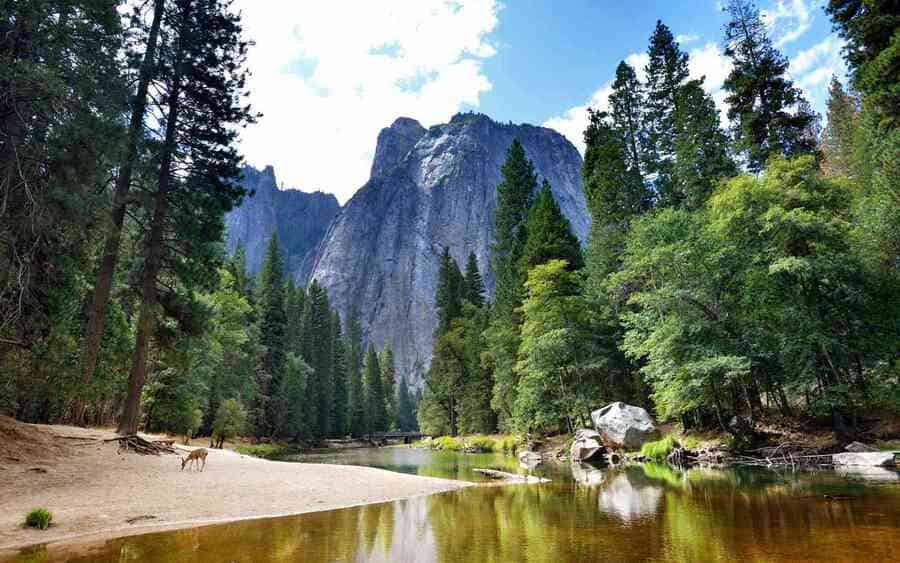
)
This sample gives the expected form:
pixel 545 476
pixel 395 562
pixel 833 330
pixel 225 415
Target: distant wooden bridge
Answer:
pixel 382 437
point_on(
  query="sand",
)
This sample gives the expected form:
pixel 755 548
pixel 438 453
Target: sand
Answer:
pixel 93 490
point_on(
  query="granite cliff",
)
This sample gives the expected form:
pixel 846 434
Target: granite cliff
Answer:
pixel 430 188
pixel 300 219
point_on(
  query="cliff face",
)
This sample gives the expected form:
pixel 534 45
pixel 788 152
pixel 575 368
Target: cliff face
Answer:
pixel 299 218
pixel 429 189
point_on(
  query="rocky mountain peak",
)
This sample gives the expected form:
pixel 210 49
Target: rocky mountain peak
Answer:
pixel 430 189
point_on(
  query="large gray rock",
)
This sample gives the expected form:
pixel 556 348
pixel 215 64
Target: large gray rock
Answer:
pixel 867 459
pixel 624 426
pixel 300 219
pixel 859 447
pixel 430 189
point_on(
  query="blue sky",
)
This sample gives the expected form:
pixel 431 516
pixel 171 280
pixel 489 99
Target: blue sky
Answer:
pixel 329 75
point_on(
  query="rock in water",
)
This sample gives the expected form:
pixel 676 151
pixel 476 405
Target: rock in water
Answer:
pixel 587 446
pixel 300 219
pixel 624 426
pixel 859 447
pixel 430 189
pixel 867 459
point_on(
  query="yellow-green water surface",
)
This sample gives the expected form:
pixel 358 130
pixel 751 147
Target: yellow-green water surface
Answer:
pixel 638 513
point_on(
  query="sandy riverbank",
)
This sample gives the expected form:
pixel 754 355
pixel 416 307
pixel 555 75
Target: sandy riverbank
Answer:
pixel 90 489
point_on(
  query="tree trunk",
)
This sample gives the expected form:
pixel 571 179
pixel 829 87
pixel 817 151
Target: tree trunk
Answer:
pixel 107 269
pixel 128 424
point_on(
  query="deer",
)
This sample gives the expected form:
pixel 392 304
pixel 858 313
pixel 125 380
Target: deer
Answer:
pixel 195 457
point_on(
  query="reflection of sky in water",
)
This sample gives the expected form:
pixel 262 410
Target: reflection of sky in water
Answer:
pixel 630 501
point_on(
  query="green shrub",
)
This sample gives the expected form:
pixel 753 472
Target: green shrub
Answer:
pixel 660 449
pixel 39 518
pixel 447 443
pixel 260 450
pixel 483 444
pixel 507 444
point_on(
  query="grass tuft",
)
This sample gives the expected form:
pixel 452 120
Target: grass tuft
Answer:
pixel 39 518
pixel 260 450
pixel 660 449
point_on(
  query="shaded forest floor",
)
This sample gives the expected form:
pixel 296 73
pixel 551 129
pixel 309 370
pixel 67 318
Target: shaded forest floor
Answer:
pixel 91 489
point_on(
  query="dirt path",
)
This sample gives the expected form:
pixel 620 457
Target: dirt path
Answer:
pixel 91 489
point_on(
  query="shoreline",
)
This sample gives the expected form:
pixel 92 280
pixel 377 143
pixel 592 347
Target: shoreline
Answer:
pixel 93 491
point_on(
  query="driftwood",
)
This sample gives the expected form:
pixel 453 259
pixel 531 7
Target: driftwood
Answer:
pixel 142 446
pixel 504 476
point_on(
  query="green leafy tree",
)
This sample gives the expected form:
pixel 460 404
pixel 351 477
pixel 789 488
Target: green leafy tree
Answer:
pixel 769 113
pixel 552 387
pixel 230 421
pixel 839 135
pixel 294 416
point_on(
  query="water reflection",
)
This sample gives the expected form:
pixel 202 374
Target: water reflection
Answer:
pixel 649 512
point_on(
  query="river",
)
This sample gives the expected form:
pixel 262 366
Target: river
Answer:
pixel 638 513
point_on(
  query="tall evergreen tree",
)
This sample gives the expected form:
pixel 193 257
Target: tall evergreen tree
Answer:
pixel 196 167
pixel 389 384
pixel 626 109
pixel 549 235
pixel 376 411
pixel 765 107
pixel 406 410
pixel 839 134
pixel 450 291
pixel 273 333
pixel 341 400
pixel 295 298
pixel 666 71
pixel 318 354
pixel 514 196
pixel 701 148
pixel 355 388
pixel 474 284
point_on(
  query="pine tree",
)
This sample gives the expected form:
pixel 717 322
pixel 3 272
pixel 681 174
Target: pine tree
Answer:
pixel 355 388
pixel 388 383
pixel 318 354
pixel 202 81
pixel 450 291
pixel 376 412
pixel 341 401
pixel 666 72
pixel 295 298
pixel 839 134
pixel 406 410
pixel 701 148
pixel 626 109
pixel 273 332
pixel 474 284
pixel 514 196
pixel 549 235
pixel 764 106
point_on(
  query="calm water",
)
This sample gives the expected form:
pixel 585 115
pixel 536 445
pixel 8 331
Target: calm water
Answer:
pixel 640 513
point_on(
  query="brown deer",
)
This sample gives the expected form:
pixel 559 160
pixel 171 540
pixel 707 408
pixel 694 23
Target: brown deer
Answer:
pixel 195 457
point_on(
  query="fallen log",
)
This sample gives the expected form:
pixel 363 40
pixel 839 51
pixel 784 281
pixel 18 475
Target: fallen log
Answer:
pixel 142 446
pixel 504 476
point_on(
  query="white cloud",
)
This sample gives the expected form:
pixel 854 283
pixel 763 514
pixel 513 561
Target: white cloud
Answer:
pixel 329 76
pixel 686 38
pixel 707 61
pixel 812 68
pixel 787 20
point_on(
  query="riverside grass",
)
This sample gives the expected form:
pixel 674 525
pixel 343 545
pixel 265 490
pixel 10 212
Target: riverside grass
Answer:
pixel 39 518
pixel 660 449
pixel 506 444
